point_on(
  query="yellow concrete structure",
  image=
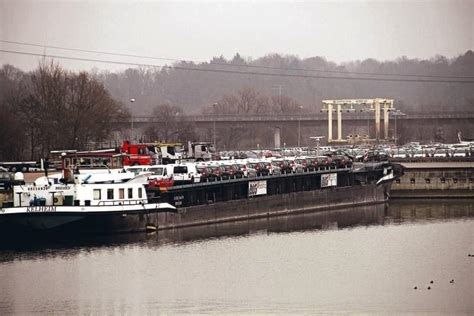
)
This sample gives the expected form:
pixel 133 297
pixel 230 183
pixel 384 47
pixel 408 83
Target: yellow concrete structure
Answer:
pixel 358 105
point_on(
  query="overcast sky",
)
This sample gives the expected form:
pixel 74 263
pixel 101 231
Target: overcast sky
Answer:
pixel 198 30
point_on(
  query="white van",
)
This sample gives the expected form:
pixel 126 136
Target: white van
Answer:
pixel 184 173
pixel 158 172
pixel 137 169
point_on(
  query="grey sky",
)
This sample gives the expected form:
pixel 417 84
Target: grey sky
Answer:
pixel 198 30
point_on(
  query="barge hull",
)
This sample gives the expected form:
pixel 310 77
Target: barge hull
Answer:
pixel 70 224
pixel 275 205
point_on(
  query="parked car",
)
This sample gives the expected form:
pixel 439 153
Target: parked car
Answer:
pixel 273 168
pixel 259 167
pixel 304 162
pixel 441 153
pixel 400 154
pixel 214 172
pixel 375 155
pixel 283 163
pixel 137 169
pixel 247 171
pixel 323 162
pixel 204 172
pixel 341 160
pixel 295 167
pixel 458 152
pixel 238 172
pixel 227 171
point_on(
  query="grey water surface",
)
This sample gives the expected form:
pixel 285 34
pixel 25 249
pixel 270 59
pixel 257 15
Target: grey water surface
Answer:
pixel 358 260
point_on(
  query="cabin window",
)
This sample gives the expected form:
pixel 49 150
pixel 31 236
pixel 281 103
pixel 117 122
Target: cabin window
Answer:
pixel 157 171
pixel 97 194
pixel 139 193
pixel 130 193
pixel 110 194
pixel 121 194
pixel 180 169
pixel 170 150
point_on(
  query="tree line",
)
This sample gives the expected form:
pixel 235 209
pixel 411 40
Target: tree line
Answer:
pixel 193 86
pixel 52 108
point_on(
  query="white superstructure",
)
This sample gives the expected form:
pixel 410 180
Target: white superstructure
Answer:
pixel 52 203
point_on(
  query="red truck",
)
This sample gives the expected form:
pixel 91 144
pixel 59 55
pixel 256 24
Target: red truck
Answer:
pixel 139 154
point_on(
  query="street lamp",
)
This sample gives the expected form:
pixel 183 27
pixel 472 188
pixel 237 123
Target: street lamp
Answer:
pixel 318 139
pixel 368 125
pixel 214 123
pixel 299 126
pixel 131 113
pixel 396 113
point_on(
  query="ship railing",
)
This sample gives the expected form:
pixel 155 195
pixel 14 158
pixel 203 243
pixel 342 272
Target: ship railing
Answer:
pixel 121 202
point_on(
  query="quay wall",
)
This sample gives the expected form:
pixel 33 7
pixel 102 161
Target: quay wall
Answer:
pixel 274 205
pixel 435 180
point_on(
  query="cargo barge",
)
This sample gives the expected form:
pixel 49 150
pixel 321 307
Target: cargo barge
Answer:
pixel 250 198
pixel 246 198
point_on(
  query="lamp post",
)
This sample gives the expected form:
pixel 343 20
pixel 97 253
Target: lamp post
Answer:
pixel 214 123
pixel 131 113
pixel 396 113
pixel 368 127
pixel 318 139
pixel 299 126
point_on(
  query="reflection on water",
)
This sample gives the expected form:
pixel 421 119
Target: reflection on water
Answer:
pixel 364 259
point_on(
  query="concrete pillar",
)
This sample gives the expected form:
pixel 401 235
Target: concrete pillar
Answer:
pixel 385 120
pixel 339 122
pixel 277 138
pixel 377 119
pixel 329 122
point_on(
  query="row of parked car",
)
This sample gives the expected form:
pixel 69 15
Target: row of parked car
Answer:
pixel 190 172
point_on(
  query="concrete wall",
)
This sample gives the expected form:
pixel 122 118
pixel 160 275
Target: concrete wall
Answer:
pixel 435 182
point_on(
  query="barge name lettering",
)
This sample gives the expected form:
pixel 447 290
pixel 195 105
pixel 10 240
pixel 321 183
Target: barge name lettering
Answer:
pixel 35 209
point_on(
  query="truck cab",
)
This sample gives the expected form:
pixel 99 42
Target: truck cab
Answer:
pixel 170 152
pixel 200 151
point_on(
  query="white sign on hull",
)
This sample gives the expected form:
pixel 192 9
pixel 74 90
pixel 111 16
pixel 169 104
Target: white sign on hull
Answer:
pixel 328 180
pixel 257 188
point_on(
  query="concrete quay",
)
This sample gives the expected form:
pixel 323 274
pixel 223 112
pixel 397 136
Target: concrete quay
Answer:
pixel 435 180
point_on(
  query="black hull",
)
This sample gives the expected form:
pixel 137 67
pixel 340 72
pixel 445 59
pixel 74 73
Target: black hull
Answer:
pixel 77 223
pixel 229 201
pixel 276 205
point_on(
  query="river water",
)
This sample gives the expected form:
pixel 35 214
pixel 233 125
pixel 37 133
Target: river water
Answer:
pixel 358 260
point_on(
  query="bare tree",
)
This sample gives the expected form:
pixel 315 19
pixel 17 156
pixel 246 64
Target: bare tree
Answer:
pixel 165 123
pixel 61 110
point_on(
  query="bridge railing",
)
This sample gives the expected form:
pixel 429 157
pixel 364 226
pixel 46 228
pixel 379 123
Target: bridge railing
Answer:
pixel 305 117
